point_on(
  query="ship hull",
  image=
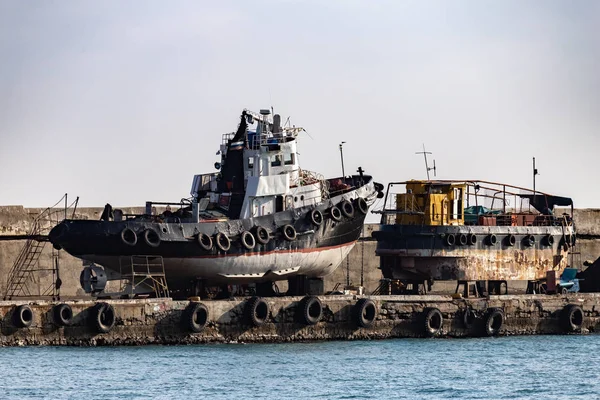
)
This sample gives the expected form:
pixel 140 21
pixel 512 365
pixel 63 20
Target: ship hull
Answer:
pixel 423 252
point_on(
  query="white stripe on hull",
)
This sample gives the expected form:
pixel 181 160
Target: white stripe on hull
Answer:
pixel 248 268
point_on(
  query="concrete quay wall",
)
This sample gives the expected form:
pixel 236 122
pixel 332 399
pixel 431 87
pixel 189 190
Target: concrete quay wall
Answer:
pixel 159 321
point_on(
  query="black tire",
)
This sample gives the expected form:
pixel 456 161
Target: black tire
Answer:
pixel 129 237
pixel 257 311
pixel 311 310
pixel 195 317
pixel 564 290
pixel 572 318
pixel 222 241
pixel 362 206
pixel 248 240
pixel 62 314
pixel 365 313
pixel 347 209
pixel 204 241
pixel 468 318
pixel 529 240
pixel 462 239
pixel 449 240
pixel 491 240
pixel 262 235
pixel 433 321
pixel 472 239
pixel 103 317
pixel 493 321
pixel 335 213
pixel 548 240
pixel 511 240
pixel 22 316
pixel 315 217
pixel 289 232
pixel 151 238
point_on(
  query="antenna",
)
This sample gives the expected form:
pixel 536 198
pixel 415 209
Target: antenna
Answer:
pixel 427 168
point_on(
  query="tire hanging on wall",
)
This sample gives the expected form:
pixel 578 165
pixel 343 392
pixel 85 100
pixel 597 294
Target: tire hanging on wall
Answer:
pixel 129 237
pixel 364 312
pixel 289 232
pixel 450 239
pixel 257 311
pixel 22 316
pixel 529 240
pixel 262 235
pixel 433 321
pixel 468 318
pixel 204 241
pixel 310 310
pixel 247 240
pixel 222 241
pixel 493 321
pixel 572 318
pixel 511 240
pixel 62 314
pixel 491 240
pixel 472 239
pixel 103 317
pixel 462 239
pixel 151 238
pixel 195 317
pixel 548 240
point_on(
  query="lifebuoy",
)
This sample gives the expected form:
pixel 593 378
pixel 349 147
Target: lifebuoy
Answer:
pixel 195 317
pixel 316 217
pixel 103 317
pixel 310 310
pixel 450 239
pixel 335 213
pixel 22 316
pixel 222 241
pixel 462 239
pixel 262 235
pixel 362 206
pixel 257 311
pixel 511 240
pixel 248 240
pixel 289 232
pixel 62 314
pixel 493 321
pixel 347 208
pixel 433 322
pixel 548 240
pixel 365 312
pixel 529 240
pixel 204 241
pixel 472 239
pixel 491 240
pixel 468 318
pixel 572 318
pixel 129 237
pixel 151 237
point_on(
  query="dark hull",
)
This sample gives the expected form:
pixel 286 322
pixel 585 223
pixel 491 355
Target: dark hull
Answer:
pixel 424 252
pixel 316 251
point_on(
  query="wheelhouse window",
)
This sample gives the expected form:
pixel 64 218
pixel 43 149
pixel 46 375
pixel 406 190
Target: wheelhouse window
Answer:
pixel 288 159
pixel 276 161
pixel 250 162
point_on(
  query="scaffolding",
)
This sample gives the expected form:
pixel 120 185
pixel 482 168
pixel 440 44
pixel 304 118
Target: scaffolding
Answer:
pixel 145 271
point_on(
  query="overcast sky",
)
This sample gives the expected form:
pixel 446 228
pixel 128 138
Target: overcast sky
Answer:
pixel 124 101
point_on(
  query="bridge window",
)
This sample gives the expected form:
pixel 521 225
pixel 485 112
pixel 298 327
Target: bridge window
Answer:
pixel 288 158
pixel 276 161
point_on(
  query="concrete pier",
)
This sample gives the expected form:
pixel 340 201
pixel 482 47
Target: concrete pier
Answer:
pixel 163 321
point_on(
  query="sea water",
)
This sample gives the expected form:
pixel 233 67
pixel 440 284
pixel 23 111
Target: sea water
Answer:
pixel 525 367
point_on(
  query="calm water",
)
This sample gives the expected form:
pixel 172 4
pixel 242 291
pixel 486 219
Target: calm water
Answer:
pixel 554 367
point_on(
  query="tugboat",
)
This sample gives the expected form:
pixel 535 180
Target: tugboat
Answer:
pixel 259 219
pixel 472 232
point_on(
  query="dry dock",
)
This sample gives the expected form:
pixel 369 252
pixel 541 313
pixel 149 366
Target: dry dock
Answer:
pixel 288 319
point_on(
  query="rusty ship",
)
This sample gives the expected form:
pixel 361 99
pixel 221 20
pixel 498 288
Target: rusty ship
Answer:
pixel 259 219
pixel 468 230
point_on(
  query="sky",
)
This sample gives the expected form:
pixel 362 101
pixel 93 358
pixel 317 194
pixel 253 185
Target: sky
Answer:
pixel 124 102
